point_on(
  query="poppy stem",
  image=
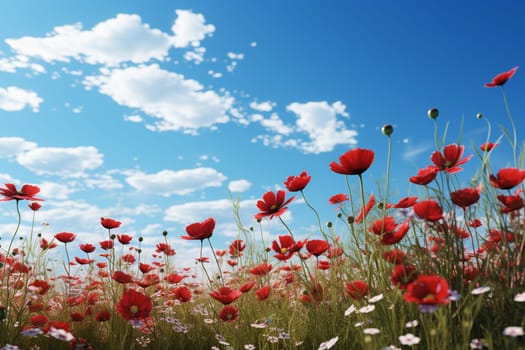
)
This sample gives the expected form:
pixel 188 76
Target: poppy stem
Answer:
pixel 203 267
pixel 514 140
pixel 216 261
pixel 316 215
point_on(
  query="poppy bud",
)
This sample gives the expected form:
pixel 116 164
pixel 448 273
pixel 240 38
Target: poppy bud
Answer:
pixel 479 115
pixel 113 236
pixel 141 239
pixel 387 130
pixel 350 220
pixel 164 233
pixel 339 215
pixel 433 113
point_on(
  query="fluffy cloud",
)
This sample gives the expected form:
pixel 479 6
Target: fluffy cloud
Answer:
pixel 265 106
pixel 239 185
pixel 119 39
pixel 13 99
pixel 54 190
pixel 190 28
pixel 319 121
pixel 221 210
pixel 168 182
pixel 10 147
pixel 178 102
pixel 64 162
pixel 275 124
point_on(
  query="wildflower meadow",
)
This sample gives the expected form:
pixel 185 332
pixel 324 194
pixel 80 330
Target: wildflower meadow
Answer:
pixel 441 268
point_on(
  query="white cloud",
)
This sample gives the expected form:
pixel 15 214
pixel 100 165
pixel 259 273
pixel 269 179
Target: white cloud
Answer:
pixel 168 182
pixel 319 121
pixel 10 147
pixel 7 179
pixel 197 55
pixel 64 162
pixel 235 56
pixel 133 118
pixel 119 39
pixel 54 190
pixel 265 106
pixel 221 210
pixel 275 124
pixel 11 64
pixel 239 185
pixel 13 99
pixel 103 181
pixel 179 103
pixel 190 28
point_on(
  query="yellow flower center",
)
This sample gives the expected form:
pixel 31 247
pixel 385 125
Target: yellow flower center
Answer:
pixel 134 309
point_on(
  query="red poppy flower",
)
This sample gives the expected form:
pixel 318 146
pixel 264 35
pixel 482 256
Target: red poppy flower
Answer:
pixel 27 192
pixel 272 204
pixel 236 248
pixel 109 223
pixel 44 244
pixel 364 211
pixel 38 320
pixel 40 287
pixel 102 316
pixel 402 275
pixel 354 162
pixel 394 256
pixel 122 277
pixel 107 244
pixel 182 294
pixel 77 316
pixel 404 203
pixel 487 147
pixel 134 305
pixel 200 230
pixel 145 268
pixel 475 223
pixel 501 78
pixel 246 287
pixel 424 176
pixel 297 183
pixel 338 198
pixel 465 197
pixel 226 295
pixel 229 313
pixel 87 248
pixel 507 178
pixel 511 202
pixel 65 237
pixel 356 289
pixel 427 290
pixel 128 258
pixel 323 264
pixel 165 248
pixel 389 231
pixel 285 247
pixel 83 261
pixel 124 239
pixel 261 269
pixel 35 206
pixel 317 247
pixel 174 278
pixel 428 210
pixel 450 160
pixel 263 293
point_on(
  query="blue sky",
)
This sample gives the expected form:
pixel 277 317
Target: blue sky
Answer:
pixel 152 113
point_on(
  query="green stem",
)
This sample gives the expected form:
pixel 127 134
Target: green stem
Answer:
pixel 316 215
pixel 217 262
pixel 514 136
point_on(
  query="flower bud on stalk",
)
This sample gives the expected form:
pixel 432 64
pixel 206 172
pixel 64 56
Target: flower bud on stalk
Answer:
pixel 387 130
pixel 433 113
